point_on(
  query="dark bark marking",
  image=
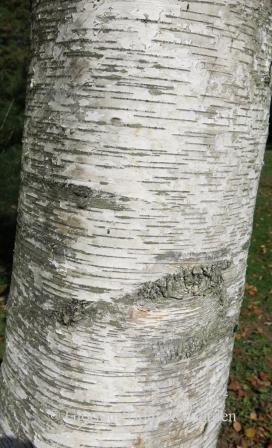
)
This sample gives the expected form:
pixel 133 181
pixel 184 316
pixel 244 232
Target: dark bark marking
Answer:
pixel 195 281
pixel 81 196
pixel 9 442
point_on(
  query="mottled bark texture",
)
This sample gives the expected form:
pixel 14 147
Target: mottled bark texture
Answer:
pixel 146 124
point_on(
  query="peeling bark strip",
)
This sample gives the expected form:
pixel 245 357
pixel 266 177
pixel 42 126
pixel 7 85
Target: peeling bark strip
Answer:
pixel 146 124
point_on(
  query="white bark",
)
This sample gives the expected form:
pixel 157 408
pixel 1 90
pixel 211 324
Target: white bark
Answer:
pixel 145 130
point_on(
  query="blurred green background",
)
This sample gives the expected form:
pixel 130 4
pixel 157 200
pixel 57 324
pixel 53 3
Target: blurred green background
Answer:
pixel 14 59
pixel 250 380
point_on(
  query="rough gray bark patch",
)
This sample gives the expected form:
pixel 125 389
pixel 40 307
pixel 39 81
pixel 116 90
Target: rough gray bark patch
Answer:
pixel 191 280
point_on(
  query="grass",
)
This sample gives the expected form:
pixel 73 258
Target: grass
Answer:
pixel 249 394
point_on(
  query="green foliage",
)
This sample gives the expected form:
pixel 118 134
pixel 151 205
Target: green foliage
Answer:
pixel 14 59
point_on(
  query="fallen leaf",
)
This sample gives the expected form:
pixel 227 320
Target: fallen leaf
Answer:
pixel 250 433
pixel 237 426
pixel 261 417
pixel 234 385
pixel 242 393
pixel 253 416
pixel 237 350
pixel 261 432
pixel 253 380
pixel 258 311
pixel 258 383
pixel 251 290
pixel 264 376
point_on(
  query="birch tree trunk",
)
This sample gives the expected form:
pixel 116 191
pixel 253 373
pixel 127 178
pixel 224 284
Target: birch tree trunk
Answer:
pixel 146 125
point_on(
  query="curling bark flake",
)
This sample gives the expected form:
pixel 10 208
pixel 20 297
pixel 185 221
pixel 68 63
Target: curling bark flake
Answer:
pixel 146 124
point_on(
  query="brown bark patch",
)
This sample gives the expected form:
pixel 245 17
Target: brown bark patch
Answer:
pixel 139 443
pixel 138 313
